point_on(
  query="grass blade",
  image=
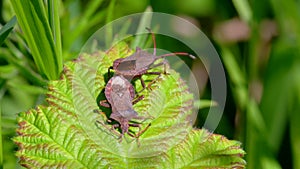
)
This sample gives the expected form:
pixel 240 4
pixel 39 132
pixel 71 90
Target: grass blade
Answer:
pixel 144 23
pixel 34 23
pixel 1 147
pixel 109 31
pixel 5 30
pixel 53 13
pixel 243 9
pixel 255 124
pixel 84 22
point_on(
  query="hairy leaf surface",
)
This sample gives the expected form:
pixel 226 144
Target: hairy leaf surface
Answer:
pixel 65 134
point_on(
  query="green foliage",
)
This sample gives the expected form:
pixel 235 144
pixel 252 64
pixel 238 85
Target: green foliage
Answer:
pixel 65 134
pixel 267 119
pixel 22 85
pixel 5 30
pixel 263 76
pixel 42 39
pixel 77 24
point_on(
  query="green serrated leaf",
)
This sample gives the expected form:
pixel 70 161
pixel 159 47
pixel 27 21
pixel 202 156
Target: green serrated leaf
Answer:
pixel 64 134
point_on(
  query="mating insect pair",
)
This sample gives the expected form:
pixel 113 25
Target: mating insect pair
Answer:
pixel 120 93
pixel 121 97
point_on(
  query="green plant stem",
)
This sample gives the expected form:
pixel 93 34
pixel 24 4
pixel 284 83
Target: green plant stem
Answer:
pixel 294 126
pixel 1 147
pixel 288 22
pixel 1 143
pixel 109 29
pixel 295 138
pixel 35 25
pixel 5 30
pixel 87 20
pixel 255 125
pixel 53 6
pixel 289 19
pixel 25 70
pixel 145 22
pixel 243 9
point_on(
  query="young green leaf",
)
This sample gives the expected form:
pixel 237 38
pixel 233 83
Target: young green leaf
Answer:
pixel 5 30
pixel 41 39
pixel 65 133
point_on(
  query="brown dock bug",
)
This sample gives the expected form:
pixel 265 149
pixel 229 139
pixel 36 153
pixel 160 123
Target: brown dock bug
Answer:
pixel 120 96
pixel 138 64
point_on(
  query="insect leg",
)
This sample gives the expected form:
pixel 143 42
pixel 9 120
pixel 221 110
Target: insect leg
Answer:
pixel 139 133
pixel 158 64
pixel 101 113
pixel 154 41
pixel 142 82
pixel 139 98
pixel 142 131
pixel 104 103
pixel 135 135
pixel 164 62
pixel 143 118
pixel 111 129
pixel 150 83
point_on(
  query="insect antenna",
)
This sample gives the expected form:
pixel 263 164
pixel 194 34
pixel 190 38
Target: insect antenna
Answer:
pixel 177 53
pixel 169 54
pixel 154 41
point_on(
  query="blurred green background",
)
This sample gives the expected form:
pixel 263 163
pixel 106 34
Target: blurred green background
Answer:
pixel 258 43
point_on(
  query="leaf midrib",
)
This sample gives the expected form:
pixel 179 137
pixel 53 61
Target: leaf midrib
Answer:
pixel 53 140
